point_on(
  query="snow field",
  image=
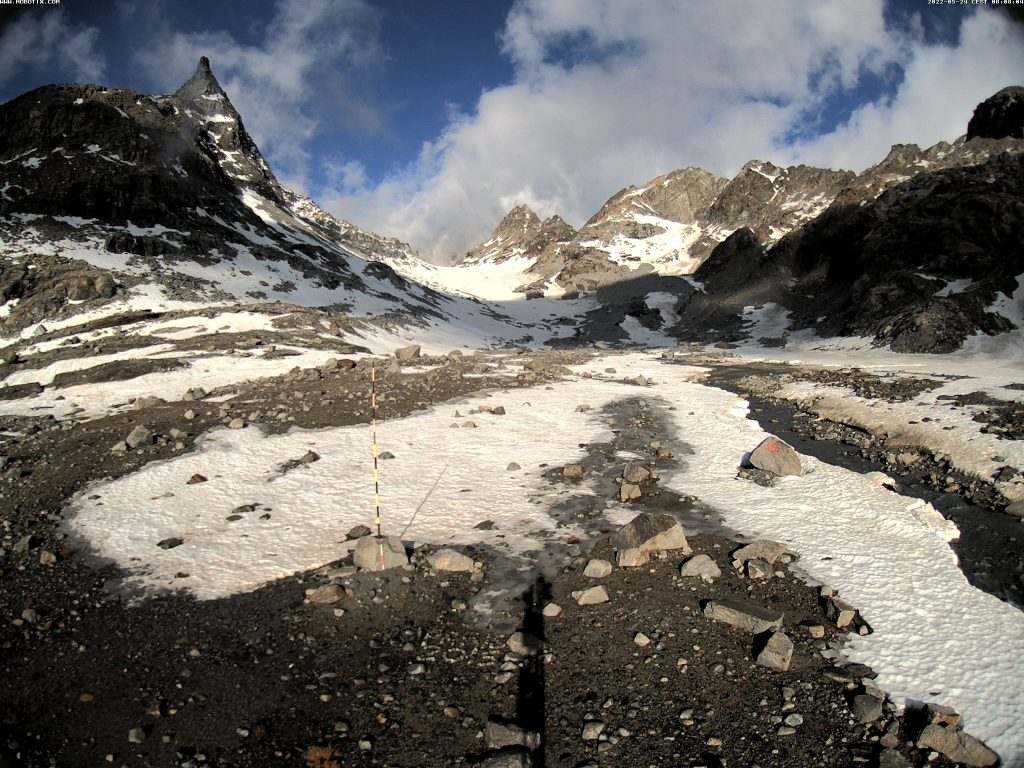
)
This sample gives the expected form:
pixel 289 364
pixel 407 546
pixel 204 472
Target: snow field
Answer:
pixel 935 638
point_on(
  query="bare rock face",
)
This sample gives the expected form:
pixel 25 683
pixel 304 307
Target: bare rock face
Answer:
pixel 521 233
pixel 999 116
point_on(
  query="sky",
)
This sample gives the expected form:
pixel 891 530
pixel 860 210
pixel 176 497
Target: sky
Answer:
pixel 428 121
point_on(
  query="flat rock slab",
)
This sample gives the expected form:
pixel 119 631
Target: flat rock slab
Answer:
pixel 958 746
pixel 749 618
pixel 646 534
pixel 777 457
pixel 763 549
pixel 373 554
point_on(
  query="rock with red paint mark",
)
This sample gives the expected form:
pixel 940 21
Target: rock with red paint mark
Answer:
pixel 777 457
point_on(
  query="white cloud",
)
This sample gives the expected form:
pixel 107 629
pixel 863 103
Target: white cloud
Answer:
pixel 300 79
pixel 48 41
pixel 608 93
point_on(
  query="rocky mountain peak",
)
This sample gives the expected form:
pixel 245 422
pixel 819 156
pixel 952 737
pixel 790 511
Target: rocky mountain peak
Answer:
pixel 999 116
pixel 519 220
pixel 202 83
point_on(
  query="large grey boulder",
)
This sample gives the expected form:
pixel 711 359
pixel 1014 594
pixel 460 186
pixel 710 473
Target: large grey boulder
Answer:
pixel 749 618
pixel 645 535
pixel 408 353
pixel 373 554
pixel 956 745
pixel 777 457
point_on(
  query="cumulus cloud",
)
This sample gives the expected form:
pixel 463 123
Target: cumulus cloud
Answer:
pixel 608 93
pixel 300 79
pixel 49 41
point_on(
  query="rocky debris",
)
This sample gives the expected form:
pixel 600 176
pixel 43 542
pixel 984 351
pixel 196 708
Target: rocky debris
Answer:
pixel 775 456
pixel 451 560
pixel 405 354
pixel 379 554
pixel 749 618
pixel 776 653
pixel 956 745
pixel 645 535
pixel 597 569
pixel 591 596
pixel 702 567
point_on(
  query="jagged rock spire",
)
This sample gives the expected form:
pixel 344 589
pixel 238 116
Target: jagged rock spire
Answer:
pixel 202 83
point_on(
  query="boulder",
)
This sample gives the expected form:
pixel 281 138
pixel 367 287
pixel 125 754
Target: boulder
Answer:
pixel 597 569
pixel 523 644
pixel 749 618
pixel 956 745
pixel 358 532
pixel 410 352
pixel 777 457
pixel 591 596
pixel 629 492
pixel 450 560
pixel 635 473
pixel 701 566
pixel 139 437
pixel 866 708
pixel 646 534
pixel 777 652
pixel 373 554
pixel 498 734
pixel 763 549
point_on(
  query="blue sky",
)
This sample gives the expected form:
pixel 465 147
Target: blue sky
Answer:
pixel 428 120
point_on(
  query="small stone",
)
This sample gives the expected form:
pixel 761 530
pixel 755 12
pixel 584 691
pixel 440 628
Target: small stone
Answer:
pixel 551 610
pixel 786 730
pixel 700 566
pixel 759 569
pixel 499 734
pixel 866 708
pixel 641 639
pixel 629 492
pixel 29 615
pixel 357 532
pixel 572 472
pixel 139 437
pixel 136 736
pixel 47 558
pixel 635 473
pixel 592 596
pixel 597 569
pixel 890 758
pixel 236 423
pixel 777 653
pixel 512 467
pixel 417 669
pixel 523 644
pixel 325 595
pixel 943 715
pixel 592 730
pixel 25 543
pixel 170 543
pixel 794 719
pixel 196 479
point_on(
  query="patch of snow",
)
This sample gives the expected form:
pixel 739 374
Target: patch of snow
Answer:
pixel 957 286
pixel 767 320
pixel 32 162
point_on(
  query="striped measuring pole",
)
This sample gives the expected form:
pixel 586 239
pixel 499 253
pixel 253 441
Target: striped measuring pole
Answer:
pixel 376 470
